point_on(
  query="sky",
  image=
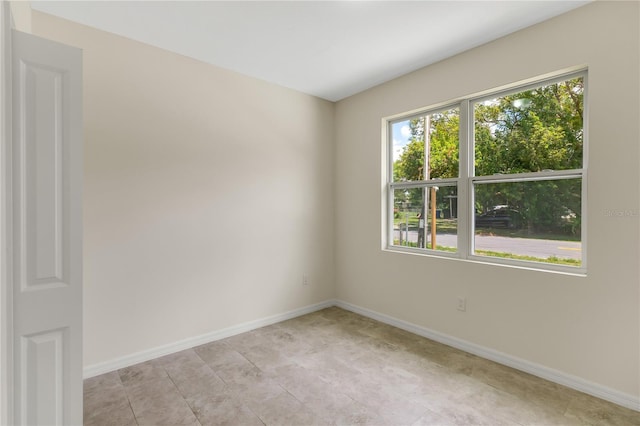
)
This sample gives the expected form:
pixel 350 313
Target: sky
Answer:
pixel 400 134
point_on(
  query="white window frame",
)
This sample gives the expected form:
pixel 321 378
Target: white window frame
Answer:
pixel 467 179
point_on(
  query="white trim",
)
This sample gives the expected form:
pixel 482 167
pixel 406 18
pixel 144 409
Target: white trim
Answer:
pixel 465 169
pixel 467 178
pixel 529 177
pixel 6 288
pixel 585 167
pixel 565 379
pixel 424 183
pixel 530 84
pixel 387 192
pixel 149 354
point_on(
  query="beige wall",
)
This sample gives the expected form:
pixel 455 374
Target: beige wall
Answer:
pixel 207 195
pixel 21 15
pixel 586 327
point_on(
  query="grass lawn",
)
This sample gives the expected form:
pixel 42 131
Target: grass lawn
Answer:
pixel 552 259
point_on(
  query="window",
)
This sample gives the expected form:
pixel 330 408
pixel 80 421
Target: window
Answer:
pixel 499 177
pixel 424 176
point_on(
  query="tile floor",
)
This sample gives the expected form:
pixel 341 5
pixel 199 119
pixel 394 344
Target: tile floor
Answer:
pixel 334 367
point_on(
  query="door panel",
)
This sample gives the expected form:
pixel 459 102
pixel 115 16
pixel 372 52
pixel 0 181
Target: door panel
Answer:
pixel 45 219
pixel 44 362
pixel 47 231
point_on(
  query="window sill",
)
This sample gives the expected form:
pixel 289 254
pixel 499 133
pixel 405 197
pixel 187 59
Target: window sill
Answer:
pixel 491 261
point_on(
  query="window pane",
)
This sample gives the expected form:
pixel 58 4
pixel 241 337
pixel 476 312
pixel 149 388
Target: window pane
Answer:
pixel 441 157
pixel 413 224
pixel 537 220
pixel 530 131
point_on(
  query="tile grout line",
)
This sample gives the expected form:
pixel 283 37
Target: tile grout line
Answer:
pixel 181 394
pixel 128 399
pixel 225 382
pixel 284 379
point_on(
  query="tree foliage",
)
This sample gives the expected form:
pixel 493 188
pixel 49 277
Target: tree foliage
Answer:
pixel 531 131
pixel 443 148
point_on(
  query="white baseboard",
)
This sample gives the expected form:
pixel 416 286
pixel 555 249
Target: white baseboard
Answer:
pixel 149 354
pixel 550 374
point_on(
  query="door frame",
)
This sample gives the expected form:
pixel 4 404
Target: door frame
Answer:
pixel 6 261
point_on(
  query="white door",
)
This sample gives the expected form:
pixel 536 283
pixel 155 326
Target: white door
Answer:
pixel 47 231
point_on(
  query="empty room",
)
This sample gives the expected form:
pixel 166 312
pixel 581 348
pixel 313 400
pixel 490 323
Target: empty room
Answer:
pixel 320 213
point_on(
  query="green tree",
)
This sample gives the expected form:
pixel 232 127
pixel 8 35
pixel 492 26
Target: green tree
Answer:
pixel 531 131
pixel 443 152
pixel 443 149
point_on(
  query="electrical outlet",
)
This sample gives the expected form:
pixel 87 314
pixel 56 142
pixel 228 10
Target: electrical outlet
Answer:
pixel 462 304
pixel 305 279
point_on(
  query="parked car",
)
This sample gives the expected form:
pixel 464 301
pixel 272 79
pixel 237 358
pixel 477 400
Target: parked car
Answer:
pixel 499 217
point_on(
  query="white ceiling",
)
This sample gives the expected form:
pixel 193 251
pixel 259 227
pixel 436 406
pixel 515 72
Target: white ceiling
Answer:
pixel 330 49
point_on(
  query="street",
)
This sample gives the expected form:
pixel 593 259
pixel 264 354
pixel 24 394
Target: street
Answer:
pixel 521 246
